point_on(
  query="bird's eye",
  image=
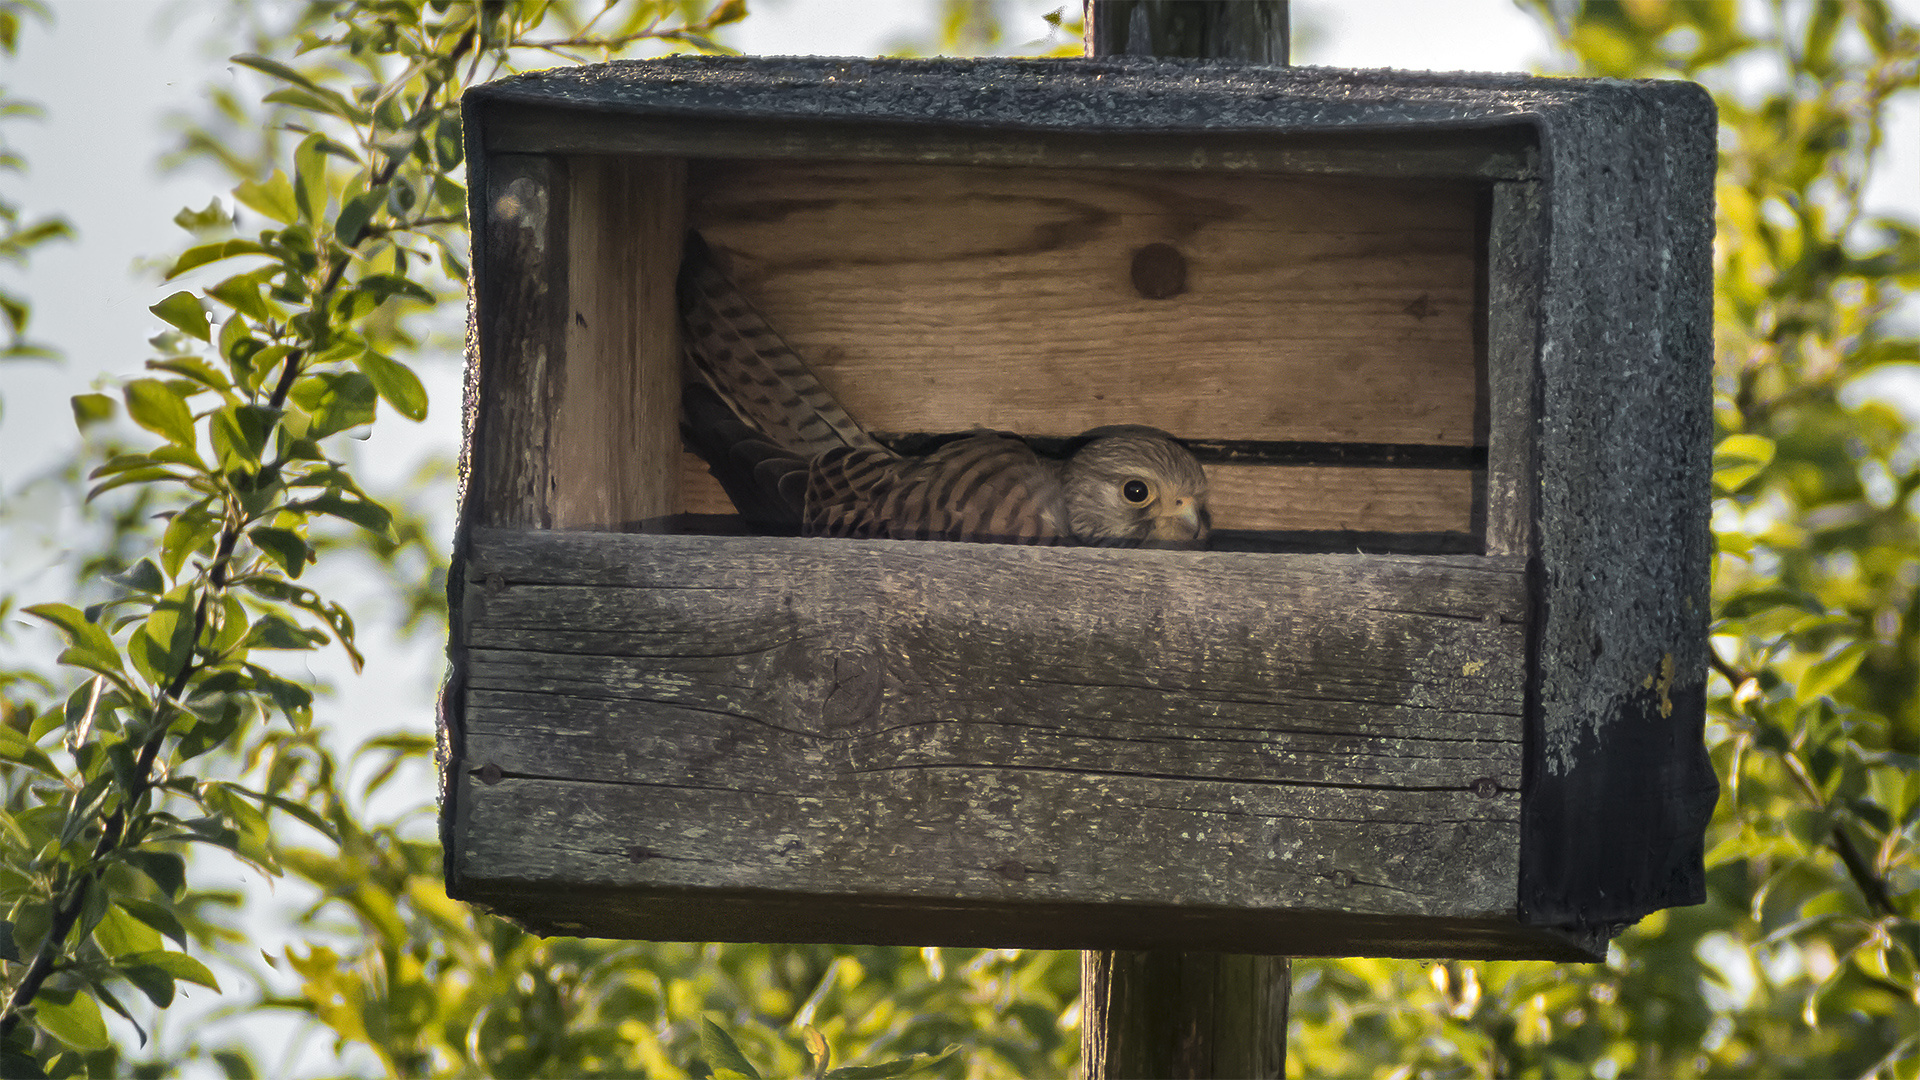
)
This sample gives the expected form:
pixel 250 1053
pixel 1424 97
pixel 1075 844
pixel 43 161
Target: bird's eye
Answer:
pixel 1136 491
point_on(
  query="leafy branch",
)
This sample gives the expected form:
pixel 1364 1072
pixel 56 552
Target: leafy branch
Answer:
pixel 259 373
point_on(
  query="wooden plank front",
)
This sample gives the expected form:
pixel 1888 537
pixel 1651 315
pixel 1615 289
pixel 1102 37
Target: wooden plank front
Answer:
pixel 1304 498
pixel 944 743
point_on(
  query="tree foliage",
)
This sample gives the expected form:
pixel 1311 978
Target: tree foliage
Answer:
pixel 292 321
pixel 1803 960
pixel 19 235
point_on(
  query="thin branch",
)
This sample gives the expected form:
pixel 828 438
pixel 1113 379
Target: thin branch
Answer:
pixel 1872 885
pixel 1734 676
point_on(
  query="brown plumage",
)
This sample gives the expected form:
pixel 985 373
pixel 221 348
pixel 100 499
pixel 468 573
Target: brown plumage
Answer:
pixel 793 460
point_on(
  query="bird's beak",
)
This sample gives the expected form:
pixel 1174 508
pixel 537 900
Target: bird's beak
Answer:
pixel 1183 522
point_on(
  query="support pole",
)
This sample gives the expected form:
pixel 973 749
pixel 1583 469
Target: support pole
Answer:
pixel 1159 1013
pixel 1252 30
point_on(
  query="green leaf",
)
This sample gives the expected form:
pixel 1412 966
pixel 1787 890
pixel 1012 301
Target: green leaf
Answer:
pixel 177 964
pixel 142 577
pixel 8 950
pixel 110 1001
pixel 211 253
pixel 285 547
pixel 91 647
pixel 447 144
pixel 294 701
pixel 335 400
pixel 883 1070
pixel 352 222
pixel 301 98
pixel 396 383
pixel 186 534
pixel 183 312
pixel 239 434
pixel 722 1053
pixel 327 100
pixel 305 814
pixel 1829 674
pixel 310 178
pixel 242 293
pixel 731 11
pixel 213 217
pixel 195 369
pixel 272 631
pixel 152 981
pixel 90 409
pixel 16 1061
pixel 168 870
pixel 118 933
pixel 370 516
pixel 231 627
pixel 155 406
pixel 272 198
pixel 18 748
pixel 169 629
pixel 262 364
pixel 386 286
pixel 155 916
pixel 138 476
pixel 1740 458
pixel 235 1065
pixel 75 1021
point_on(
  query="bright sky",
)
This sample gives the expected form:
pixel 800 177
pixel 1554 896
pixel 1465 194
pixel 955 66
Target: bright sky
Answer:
pixel 109 71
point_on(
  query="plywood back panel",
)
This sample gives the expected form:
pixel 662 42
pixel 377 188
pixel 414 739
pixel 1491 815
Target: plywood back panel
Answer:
pixel 940 298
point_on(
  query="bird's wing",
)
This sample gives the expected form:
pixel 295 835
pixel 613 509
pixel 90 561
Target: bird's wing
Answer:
pixel 767 484
pixel 983 488
pixel 731 349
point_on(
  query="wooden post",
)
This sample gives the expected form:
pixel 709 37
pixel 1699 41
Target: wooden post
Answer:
pixel 1166 1013
pixel 1255 30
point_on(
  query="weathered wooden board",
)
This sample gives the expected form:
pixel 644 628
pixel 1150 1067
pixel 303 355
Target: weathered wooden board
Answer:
pixel 576 413
pixel 942 298
pixel 1260 497
pixel 520 282
pixel 915 727
pixel 617 422
pixel 1503 152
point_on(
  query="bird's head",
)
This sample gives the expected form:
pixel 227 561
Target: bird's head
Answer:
pixel 1132 486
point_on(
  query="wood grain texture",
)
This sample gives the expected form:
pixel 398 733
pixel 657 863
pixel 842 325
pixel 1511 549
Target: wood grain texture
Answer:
pixel 1288 498
pixel 878 720
pixel 1183 1014
pixel 618 413
pixel 1487 153
pixel 521 291
pixel 1515 248
pixel 1255 31
pixel 941 299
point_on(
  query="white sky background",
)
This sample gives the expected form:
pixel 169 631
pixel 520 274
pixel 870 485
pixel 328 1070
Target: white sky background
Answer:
pixel 107 73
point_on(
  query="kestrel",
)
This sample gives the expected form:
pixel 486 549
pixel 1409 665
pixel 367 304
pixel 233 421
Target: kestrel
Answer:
pixel 794 461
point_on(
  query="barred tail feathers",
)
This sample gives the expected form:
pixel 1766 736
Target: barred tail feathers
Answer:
pixel 731 348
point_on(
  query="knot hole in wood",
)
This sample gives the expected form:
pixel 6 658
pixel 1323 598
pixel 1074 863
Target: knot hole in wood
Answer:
pixel 1159 271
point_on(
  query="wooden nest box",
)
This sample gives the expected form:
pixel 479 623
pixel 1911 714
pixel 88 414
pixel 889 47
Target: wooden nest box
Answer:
pixel 1443 343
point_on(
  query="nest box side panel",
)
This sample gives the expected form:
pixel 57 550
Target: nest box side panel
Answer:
pixel 1619 785
pixel 617 426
